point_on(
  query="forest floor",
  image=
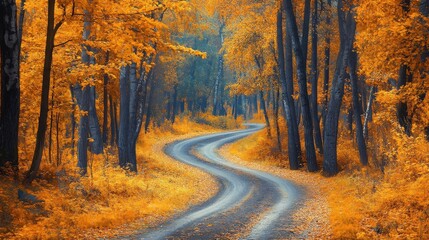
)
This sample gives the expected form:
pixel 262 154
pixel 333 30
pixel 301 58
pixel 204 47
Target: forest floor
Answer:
pixel 313 212
pixel 109 202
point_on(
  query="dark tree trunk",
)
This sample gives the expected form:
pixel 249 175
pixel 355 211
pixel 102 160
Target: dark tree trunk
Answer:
pixel 264 109
pixel 51 122
pixel 105 104
pixel 314 80
pixel 276 101
pixel 306 29
pixel 347 27
pixel 405 76
pixel 124 129
pixel 112 123
pixel 149 107
pixel 236 108
pixel 132 118
pixel 173 117
pixel 83 99
pixel 327 64
pixel 404 118
pixel 58 139
pixel 115 115
pixel 73 120
pixel 357 109
pixel 302 82
pixel 287 99
pixel 10 86
pixel 217 105
pixel 94 125
pixel 44 106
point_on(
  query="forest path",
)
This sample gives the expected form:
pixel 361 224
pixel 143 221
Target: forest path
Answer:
pixel 250 204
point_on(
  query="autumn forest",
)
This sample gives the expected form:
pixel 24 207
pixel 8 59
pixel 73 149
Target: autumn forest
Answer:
pixel 239 119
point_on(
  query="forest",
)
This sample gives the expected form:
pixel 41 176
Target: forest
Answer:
pixel 216 119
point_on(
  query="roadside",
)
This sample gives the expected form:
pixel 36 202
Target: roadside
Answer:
pixel 110 201
pixel 312 217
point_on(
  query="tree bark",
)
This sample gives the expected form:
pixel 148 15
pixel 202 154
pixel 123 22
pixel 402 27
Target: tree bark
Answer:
pixel 124 128
pixel 327 64
pixel 113 135
pixel 44 106
pixel 264 109
pixel 363 155
pixel 314 80
pixel 219 78
pixel 10 86
pixel 368 111
pixel 105 104
pixel 276 101
pixel 405 76
pixel 347 26
pixel 302 82
pixel 287 100
pixel 149 105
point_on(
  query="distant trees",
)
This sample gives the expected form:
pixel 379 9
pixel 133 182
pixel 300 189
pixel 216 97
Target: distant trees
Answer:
pixel 118 67
pixel 355 68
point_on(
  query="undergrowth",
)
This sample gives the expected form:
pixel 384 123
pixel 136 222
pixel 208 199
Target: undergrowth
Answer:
pixel 387 200
pixel 108 201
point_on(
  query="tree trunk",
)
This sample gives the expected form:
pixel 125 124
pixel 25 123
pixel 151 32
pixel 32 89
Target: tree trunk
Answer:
pixel 94 125
pixel 368 111
pixel 326 69
pixel 105 104
pixel 302 82
pixel 57 130
pixel 149 105
pixel 347 36
pixel 173 117
pixel 44 106
pixel 306 28
pixel 83 99
pixel 314 80
pixel 363 156
pixel 112 123
pixel 404 118
pixel 219 78
pixel 276 101
pixel 294 153
pixel 51 123
pixel 264 109
pixel 124 129
pixel 10 86
pixel 133 96
pixel 73 120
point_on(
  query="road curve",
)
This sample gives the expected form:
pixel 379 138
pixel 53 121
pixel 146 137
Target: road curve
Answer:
pixel 249 205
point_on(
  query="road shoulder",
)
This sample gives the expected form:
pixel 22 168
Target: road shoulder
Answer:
pixel 311 219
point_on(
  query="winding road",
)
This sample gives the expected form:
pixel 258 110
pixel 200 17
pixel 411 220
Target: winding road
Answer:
pixel 249 205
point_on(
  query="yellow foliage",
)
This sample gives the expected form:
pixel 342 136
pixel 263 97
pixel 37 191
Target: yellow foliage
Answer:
pixel 110 201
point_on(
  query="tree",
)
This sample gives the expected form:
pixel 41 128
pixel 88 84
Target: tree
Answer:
pixel 10 83
pixel 347 27
pixel 287 89
pixel 51 31
pixel 314 79
pixel 299 51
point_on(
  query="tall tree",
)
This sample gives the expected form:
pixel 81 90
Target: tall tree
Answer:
pixel 292 29
pixel 357 108
pixel 287 92
pixel 315 78
pixel 51 31
pixel 10 85
pixel 347 28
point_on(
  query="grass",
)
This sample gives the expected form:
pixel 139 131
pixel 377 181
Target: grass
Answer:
pixel 109 201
